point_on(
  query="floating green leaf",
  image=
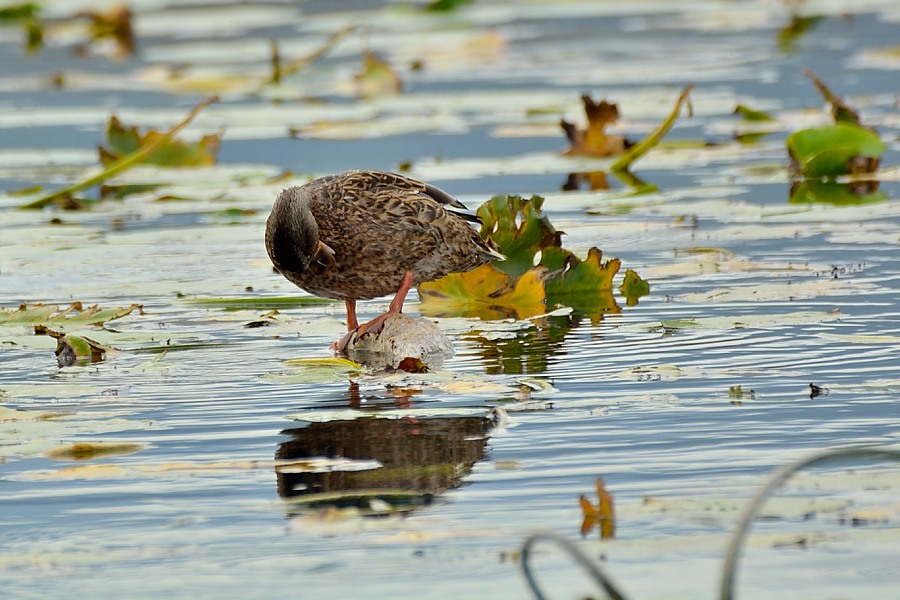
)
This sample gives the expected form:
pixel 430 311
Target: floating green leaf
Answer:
pixel 518 229
pixel 751 114
pixel 259 303
pixel 834 150
pixel 330 362
pixel 19 12
pixel 579 277
pixel 26 15
pixel 633 287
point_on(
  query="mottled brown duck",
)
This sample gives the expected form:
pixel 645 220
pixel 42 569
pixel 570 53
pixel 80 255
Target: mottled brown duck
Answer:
pixel 366 234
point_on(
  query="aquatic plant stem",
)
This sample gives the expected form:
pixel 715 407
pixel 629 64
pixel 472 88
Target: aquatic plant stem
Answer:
pixel 280 70
pixel 642 147
pixel 122 164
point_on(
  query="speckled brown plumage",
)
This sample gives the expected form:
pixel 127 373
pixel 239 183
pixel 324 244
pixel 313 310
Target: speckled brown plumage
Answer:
pixel 354 235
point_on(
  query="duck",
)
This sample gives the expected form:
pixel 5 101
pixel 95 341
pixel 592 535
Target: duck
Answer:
pixel 364 234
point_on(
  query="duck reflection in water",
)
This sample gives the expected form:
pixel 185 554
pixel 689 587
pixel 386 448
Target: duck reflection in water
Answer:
pixel 419 459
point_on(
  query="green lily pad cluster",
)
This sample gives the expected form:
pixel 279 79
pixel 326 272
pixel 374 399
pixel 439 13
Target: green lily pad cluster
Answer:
pixel 538 274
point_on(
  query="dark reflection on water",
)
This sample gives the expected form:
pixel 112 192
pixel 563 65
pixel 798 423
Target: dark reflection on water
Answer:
pixel 589 180
pixel 420 458
pixel 836 193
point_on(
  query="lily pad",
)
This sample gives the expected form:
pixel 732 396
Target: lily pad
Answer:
pixel 833 150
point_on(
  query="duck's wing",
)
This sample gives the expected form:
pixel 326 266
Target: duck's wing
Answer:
pixel 383 182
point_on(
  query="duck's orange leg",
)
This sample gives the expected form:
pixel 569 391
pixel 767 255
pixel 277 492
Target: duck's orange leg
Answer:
pixel 375 325
pixel 352 323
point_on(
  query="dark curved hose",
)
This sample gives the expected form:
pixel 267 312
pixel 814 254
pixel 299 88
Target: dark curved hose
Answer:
pixel 777 478
pixel 575 553
pixel 736 543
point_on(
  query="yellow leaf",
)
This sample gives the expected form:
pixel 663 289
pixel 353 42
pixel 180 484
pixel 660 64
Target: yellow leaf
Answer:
pixel 335 362
pixel 486 293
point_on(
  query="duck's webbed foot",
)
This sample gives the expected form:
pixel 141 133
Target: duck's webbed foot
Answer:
pixel 377 324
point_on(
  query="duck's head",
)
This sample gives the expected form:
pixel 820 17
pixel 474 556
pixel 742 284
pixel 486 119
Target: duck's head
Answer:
pixel 292 234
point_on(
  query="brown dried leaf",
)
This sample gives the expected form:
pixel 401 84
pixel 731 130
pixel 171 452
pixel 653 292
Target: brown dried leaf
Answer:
pixel 115 24
pixel 594 141
pixel 603 514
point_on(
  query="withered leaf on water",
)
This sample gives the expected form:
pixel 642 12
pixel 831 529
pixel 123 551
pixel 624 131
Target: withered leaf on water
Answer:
pixel 124 140
pixel 593 140
pixel 114 24
pixel 603 514
pixel 485 292
pixel 377 78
